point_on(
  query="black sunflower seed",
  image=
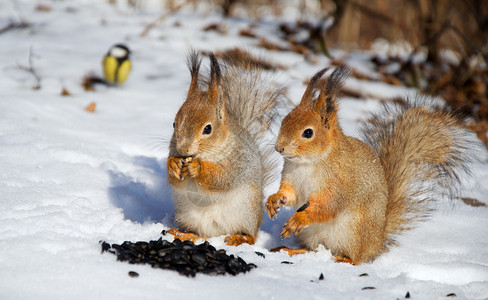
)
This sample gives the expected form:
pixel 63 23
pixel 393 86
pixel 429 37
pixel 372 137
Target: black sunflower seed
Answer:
pixel 105 246
pixel 303 207
pixel 199 259
pixel 133 274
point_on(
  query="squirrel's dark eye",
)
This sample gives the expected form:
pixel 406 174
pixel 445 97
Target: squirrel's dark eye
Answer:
pixel 207 129
pixel 173 124
pixel 307 133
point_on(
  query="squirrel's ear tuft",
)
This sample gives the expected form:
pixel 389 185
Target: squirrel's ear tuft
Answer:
pixel 193 61
pixel 213 89
pixel 307 97
pixel 336 80
pixel 214 77
pixel 326 104
pixel 214 68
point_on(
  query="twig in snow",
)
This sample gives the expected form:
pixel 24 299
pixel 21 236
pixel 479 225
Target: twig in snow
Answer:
pixel 31 70
pixel 15 25
pixel 20 24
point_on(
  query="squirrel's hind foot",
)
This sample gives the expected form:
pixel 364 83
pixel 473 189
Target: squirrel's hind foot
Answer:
pixel 238 239
pixel 290 251
pixel 341 259
pixel 184 236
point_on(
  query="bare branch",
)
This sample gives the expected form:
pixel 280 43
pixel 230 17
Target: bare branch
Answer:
pixel 15 25
pixel 31 70
pixel 162 17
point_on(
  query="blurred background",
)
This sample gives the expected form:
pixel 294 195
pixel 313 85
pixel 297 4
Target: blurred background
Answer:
pixel 437 46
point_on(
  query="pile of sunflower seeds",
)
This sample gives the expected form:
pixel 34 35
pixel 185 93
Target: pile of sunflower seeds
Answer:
pixel 183 257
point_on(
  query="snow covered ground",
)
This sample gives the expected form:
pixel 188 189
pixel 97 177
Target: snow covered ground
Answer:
pixel 70 178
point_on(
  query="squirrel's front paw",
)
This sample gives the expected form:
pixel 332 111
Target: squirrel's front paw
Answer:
pixel 176 167
pixel 295 224
pixel 194 166
pixel 274 203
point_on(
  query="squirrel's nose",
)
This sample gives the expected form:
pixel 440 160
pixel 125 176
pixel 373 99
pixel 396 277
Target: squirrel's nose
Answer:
pixel 279 149
pixel 182 149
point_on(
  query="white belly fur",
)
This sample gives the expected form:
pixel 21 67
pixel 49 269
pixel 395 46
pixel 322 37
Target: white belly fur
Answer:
pixel 334 235
pixel 217 213
pixel 301 176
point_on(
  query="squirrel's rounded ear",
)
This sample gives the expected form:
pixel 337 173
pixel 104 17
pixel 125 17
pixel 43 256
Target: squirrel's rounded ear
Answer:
pixel 193 61
pixel 307 97
pixel 213 89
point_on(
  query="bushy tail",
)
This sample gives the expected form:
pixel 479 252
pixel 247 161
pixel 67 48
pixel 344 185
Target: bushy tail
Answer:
pixel 253 99
pixel 424 150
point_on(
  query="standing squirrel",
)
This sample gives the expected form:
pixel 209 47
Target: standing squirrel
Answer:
pixel 353 196
pixel 216 169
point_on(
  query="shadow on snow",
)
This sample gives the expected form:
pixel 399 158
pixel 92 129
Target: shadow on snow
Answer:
pixel 144 194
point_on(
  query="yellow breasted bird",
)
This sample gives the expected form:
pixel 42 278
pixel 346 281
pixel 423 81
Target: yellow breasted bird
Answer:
pixel 116 64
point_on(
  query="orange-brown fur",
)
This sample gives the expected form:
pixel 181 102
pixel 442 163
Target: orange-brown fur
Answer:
pixel 361 194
